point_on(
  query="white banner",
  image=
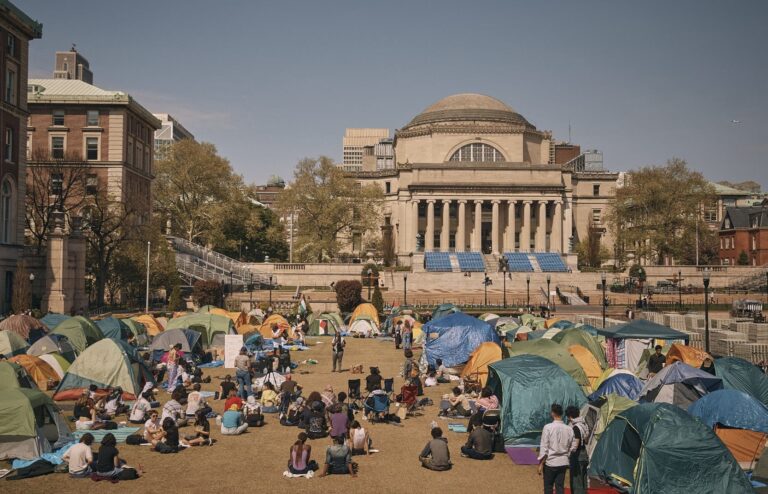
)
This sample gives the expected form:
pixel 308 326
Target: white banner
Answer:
pixel 232 345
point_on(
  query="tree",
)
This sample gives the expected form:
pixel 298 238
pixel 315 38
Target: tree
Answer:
pixel 590 251
pixel 206 292
pixel 658 211
pixel 175 301
pixel 348 294
pixel 747 186
pixel 373 279
pixel 329 208
pixel 378 300
pixel 743 259
pixel 22 289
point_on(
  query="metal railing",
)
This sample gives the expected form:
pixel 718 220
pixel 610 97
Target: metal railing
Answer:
pixel 200 263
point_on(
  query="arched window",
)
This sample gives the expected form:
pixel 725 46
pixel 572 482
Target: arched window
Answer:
pixel 6 212
pixel 477 152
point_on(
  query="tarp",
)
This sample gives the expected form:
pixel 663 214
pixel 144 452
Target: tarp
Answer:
pixel 332 323
pixel 731 408
pixel 477 366
pixel 625 385
pixel 53 343
pixel 151 324
pixel 52 319
pixel 443 310
pixel 165 340
pixel 205 323
pixel 14 376
pixel 642 329
pixel 587 362
pixel 579 336
pixel 266 327
pixel 114 328
pixel 25 326
pixel 367 310
pixel 24 434
pixel 80 331
pixel 527 385
pixel 12 344
pixel 679 384
pixel 39 370
pixel 555 353
pixel 739 374
pixel 686 354
pixel 659 448
pixel 453 338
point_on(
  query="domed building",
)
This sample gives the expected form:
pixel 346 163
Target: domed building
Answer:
pixel 474 175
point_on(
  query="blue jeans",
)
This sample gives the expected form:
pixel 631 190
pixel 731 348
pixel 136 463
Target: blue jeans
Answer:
pixel 407 341
pixel 244 383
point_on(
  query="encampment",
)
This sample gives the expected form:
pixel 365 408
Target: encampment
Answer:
pixel 138 330
pixel 152 325
pixel 59 364
pixel 366 310
pixel 43 374
pixel 555 353
pixel 363 326
pixel 25 326
pixel 30 424
pixel 625 385
pixel 187 338
pixel 282 323
pixel 477 366
pixel 204 323
pixel 578 336
pixel 53 343
pixel 599 412
pixel 739 374
pixel 679 384
pixel 80 331
pixel 686 354
pixel 625 343
pixel 588 363
pixel 326 323
pixel 453 338
pixel 53 319
pixel 114 328
pixel 12 344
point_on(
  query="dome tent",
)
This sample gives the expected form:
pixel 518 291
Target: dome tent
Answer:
pixel 52 319
pixel 326 323
pixel 453 338
pixel 14 376
pixel 163 342
pixel 477 366
pixel 139 331
pixel 53 343
pixel 443 310
pixel 39 370
pixel 625 385
pixel 25 326
pixel 80 331
pixel 739 374
pixel 114 328
pixel 12 344
pixel 206 324
pixel 59 364
pixel 30 424
pixel 282 323
pixel 679 384
pixel 367 311
pixel 577 336
pixel 599 412
pixel 151 325
pixel 363 326
pixel 555 353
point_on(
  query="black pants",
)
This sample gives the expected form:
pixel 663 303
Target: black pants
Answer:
pixel 475 455
pixel 554 477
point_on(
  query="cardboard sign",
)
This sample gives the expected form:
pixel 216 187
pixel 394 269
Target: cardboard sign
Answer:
pixel 232 345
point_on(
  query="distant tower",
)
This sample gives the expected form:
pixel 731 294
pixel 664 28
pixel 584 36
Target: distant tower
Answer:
pixel 72 65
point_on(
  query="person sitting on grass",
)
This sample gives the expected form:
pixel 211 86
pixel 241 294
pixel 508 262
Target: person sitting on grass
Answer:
pixel 202 435
pixel 440 372
pixel 114 405
pixel 292 417
pixel 225 387
pixel 233 399
pixel 173 409
pixel 359 440
pixel 141 408
pixel 299 459
pixel 328 396
pixel 170 442
pixel 84 405
pixel 196 402
pixel 339 421
pixel 269 398
pixel 232 422
pixel 479 444
pixel 316 425
pixel 338 459
pixel 435 455
pixel 252 412
pixel 458 404
pixel 108 462
pixel 431 380
pixel 487 400
pixel 80 457
pixel 153 430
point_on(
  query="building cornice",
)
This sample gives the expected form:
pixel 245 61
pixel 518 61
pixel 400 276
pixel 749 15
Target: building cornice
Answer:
pixel 122 99
pixel 470 128
pixel 439 188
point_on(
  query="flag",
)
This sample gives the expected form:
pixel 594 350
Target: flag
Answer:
pixel 302 307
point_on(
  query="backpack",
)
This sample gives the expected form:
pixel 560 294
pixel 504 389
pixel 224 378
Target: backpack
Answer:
pixel 316 425
pixel 135 440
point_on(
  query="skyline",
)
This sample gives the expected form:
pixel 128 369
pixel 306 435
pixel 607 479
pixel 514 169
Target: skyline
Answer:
pixel 642 83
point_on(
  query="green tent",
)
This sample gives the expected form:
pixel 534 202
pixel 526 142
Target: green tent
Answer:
pixel 657 447
pixel 642 329
pixel 739 374
pixel 575 336
pixel 138 330
pixel 12 344
pixel 208 325
pixel 443 310
pixel 80 331
pixel 555 353
pixel 30 424
pixel 598 414
pixel 527 385
pixel 333 323
pixel 12 375
pixel 107 364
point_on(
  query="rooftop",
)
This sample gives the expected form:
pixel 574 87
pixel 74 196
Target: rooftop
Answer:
pixel 469 107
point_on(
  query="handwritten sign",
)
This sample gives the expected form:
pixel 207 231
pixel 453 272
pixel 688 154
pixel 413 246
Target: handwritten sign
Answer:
pixel 232 345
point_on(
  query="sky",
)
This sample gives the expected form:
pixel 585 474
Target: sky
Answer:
pixel 270 83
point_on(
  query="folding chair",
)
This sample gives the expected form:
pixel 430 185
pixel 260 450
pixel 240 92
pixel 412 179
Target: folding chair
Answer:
pixel 354 394
pixel 377 407
pixel 408 398
pixel 389 387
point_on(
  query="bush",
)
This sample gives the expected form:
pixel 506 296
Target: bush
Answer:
pixel 348 294
pixel 207 292
pixel 637 271
pixel 175 301
pixel 743 259
pixel 377 300
pixel 374 278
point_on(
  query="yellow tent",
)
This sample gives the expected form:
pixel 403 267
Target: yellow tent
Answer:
pixel 686 354
pixel 248 328
pixel 365 310
pixel 238 317
pixel 477 366
pixel 266 327
pixel 418 335
pixel 38 369
pixel 549 322
pixel 153 326
pixel 588 362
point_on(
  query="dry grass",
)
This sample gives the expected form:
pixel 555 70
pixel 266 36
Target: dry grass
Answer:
pixel 258 458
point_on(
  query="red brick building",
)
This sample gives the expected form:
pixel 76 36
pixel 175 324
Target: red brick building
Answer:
pixel 745 230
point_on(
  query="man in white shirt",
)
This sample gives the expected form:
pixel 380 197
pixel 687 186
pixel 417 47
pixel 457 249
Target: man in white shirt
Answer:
pixel 556 439
pixel 80 457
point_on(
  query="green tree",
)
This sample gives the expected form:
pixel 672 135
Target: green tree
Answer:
pixel 175 301
pixel 743 259
pixel 590 250
pixel 657 213
pixel 329 208
pixel 372 280
pixel 377 299
pixel 206 292
pixel 348 294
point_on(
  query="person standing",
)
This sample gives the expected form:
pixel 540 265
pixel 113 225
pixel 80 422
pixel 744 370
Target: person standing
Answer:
pixel 579 459
pixel 337 346
pixel 556 439
pixel 407 335
pixel 243 374
pixel 656 362
pixel 398 335
pixel 173 366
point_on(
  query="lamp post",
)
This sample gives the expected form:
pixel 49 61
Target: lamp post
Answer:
pixel 766 285
pixel 602 282
pixel 504 275
pixel 405 288
pixel 370 281
pixel 549 279
pixel 680 290
pixel 485 288
pixel 706 309
pixel 231 285
pixel 270 291
pixel 527 291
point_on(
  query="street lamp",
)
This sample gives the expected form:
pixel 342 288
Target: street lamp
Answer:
pixel 527 292
pixel 602 281
pixel 766 285
pixel 270 291
pixel 405 288
pixel 680 290
pixel 549 279
pixel 370 282
pixel 504 276
pixel 706 309
pixel 485 287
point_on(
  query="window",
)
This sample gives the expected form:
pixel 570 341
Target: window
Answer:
pixel 91 184
pixel 8 145
pixel 726 261
pixel 129 157
pixel 387 187
pixel 596 189
pixel 58 117
pixel 10 86
pixel 92 119
pixel 10 45
pixel 57 184
pixel 92 148
pixel 139 162
pixel 477 152
pixel 57 147
pixel 6 211
pixel 596 216
pixel 710 215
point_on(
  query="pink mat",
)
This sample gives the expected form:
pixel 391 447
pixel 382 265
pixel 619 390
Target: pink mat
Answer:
pixel 522 455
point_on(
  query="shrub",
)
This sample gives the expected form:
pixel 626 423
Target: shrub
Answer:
pixel 377 300
pixel 374 278
pixel 175 301
pixel 206 292
pixel 348 294
pixel 637 271
pixel 743 259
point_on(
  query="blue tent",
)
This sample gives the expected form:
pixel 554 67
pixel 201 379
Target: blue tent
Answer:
pixel 731 408
pixel 640 328
pixel 53 319
pixel 679 384
pixel 741 375
pixel 113 328
pixel 625 385
pixel 444 310
pixel 453 338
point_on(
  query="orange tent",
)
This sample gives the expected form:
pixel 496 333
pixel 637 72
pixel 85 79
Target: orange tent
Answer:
pixel 477 365
pixel 153 326
pixel 365 309
pixel 588 362
pixel 247 328
pixel 549 322
pixel 266 327
pixel 686 354
pixel 39 370
pixel 745 445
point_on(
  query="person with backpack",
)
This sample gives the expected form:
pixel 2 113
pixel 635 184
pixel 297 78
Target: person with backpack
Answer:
pixel 337 347
pixel 317 425
pixel 579 458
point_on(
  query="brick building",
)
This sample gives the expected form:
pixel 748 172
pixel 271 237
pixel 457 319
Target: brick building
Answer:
pixel 745 230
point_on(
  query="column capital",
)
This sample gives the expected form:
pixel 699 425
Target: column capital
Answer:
pixel 558 202
pixel 527 201
pixel 496 201
pixel 431 201
pixel 461 201
pixel 446 201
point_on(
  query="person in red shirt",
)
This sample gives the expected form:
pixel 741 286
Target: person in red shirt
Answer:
pixel 233 400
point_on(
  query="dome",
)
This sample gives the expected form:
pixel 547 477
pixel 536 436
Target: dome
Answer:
pixel 468 107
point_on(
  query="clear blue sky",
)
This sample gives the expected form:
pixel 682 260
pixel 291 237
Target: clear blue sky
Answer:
pixel 272 82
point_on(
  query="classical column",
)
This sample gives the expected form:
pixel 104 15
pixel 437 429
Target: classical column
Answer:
pixel 445 231
pixel 567 226
pixel 541 227
pixel 412 241
pixel 525 233
pixel 556 242
pixel 461 231
pixel 476 233
pixel 495 226
pixel 509 240
pixel 429 235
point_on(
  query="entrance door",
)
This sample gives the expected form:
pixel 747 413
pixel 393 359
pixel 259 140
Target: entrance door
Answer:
pixel 485 238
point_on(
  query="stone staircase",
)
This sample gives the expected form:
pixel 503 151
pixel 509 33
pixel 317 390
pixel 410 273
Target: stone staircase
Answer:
pixel 534 264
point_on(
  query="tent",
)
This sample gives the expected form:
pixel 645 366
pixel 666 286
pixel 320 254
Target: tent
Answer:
pixel 477 366
pixel 562 324
pixel 238 317
pixel 165 340
pixel 585 327
pixel 686 354
pixel 12 344
pixel 114 328
pixel 579 336
pixel 588 362
pixel 443 310
pixel 325 324
pixel 527 385
pixel 247 328
pixel 656 447
pixel 418 335
pixel 14 376
pixel 625 343
pixel 107 364
pixel 739 420
pixel 30 424
pixel 453 338
pixel 53 343
pixel 367 310
pixel 739 374
pixel 555 353
pixel 610 372
pixel 625 385
pixel 139 331
pixel 599 412
pixel 44 375
pixel 206 324
pixel 679 384
pixel 266 327
pixel 53 319
pixel 58 363
pixel 80 331
pixel 642 329
pixel 488 317
pixel 152 325
pixel 25 326
pixel 363 326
